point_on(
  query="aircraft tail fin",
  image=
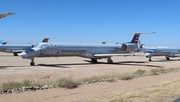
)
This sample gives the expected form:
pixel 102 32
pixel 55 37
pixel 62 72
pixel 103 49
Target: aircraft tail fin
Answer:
pixel 4 43
pixel 136 36
pixel 45 40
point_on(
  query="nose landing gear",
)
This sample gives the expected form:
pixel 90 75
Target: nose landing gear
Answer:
pixel 32 62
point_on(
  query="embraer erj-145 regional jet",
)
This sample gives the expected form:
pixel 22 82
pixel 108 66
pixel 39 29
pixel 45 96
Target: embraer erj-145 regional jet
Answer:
pixel 92 51
pixel 167 52
pixel 6 14
pixel 15 49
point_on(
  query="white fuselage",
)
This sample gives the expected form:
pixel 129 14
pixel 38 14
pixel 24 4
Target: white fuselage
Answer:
pixel 78 49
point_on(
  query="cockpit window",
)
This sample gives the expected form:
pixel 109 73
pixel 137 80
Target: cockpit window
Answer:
pixel 37 45
pixel 43 46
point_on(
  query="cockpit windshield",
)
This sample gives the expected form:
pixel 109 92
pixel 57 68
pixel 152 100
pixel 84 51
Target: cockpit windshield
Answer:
pixel 40 45
pixel 37 46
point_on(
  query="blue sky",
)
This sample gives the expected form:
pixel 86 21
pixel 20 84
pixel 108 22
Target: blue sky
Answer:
pixel 91 21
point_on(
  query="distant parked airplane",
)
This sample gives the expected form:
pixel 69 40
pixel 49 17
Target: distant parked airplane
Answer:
pixel 15 49
pixel 6 14
pixel 92 51
pixel 167 52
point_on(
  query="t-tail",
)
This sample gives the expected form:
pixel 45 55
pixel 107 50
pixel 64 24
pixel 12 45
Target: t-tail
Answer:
pixel 45 40
pixel 136 36
pixel 4 43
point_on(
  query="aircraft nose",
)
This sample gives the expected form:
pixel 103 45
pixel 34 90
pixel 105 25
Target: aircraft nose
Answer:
pixel 22 54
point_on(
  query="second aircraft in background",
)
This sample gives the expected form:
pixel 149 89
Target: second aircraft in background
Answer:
pixel 160 51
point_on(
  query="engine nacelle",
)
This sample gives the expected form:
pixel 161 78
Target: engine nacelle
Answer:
pixel 129 47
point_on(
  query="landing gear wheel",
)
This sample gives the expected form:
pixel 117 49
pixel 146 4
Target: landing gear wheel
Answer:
pixel 109 61
pixel 150 58
pixel 32 63
pixel 167 58
pixel 93 60
pixel 15 54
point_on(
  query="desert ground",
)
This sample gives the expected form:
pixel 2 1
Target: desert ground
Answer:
pixel 14 68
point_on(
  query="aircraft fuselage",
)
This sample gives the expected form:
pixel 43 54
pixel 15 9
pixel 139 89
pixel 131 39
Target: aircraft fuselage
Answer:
pixel 167 52
pixel 82 50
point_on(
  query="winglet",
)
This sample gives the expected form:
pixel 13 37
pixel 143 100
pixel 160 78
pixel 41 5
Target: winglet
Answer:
pixel 45 40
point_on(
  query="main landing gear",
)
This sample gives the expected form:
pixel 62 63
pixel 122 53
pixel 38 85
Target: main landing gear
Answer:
pixel 167 58
pixel 109 60
pixel 15 54
pixel 93 60
pixel 32 62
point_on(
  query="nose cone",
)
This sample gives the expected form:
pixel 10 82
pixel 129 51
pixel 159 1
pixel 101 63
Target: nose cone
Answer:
pixel 22 54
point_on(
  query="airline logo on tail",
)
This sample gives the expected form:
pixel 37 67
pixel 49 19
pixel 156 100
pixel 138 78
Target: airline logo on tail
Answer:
pixel 45 40
pixel 4 43
pixel 135 39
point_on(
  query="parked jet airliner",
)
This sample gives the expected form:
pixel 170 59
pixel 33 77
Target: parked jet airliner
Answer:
pixel 167 52
pixel 92 51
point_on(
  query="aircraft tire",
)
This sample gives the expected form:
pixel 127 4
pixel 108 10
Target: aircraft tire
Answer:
pixel 93 60
pixel 167 58
pixel 15 54
pixel 32 63
pixel 110 61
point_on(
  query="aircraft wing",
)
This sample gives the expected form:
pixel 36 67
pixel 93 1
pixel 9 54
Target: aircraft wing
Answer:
pixel 110 55
pixel 17 51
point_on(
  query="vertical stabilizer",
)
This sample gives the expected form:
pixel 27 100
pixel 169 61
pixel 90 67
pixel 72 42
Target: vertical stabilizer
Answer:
pixel 136 36
pixel 45 40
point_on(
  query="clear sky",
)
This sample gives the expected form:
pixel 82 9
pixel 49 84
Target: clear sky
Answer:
pixel 91 21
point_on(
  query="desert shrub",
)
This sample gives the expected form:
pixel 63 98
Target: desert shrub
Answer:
pixel 11 85
pixel 154 71
pixel 126 76
pixel 67 82
pixel 140 72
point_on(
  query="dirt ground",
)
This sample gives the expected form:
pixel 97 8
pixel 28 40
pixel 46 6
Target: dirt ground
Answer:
pixel 48 69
